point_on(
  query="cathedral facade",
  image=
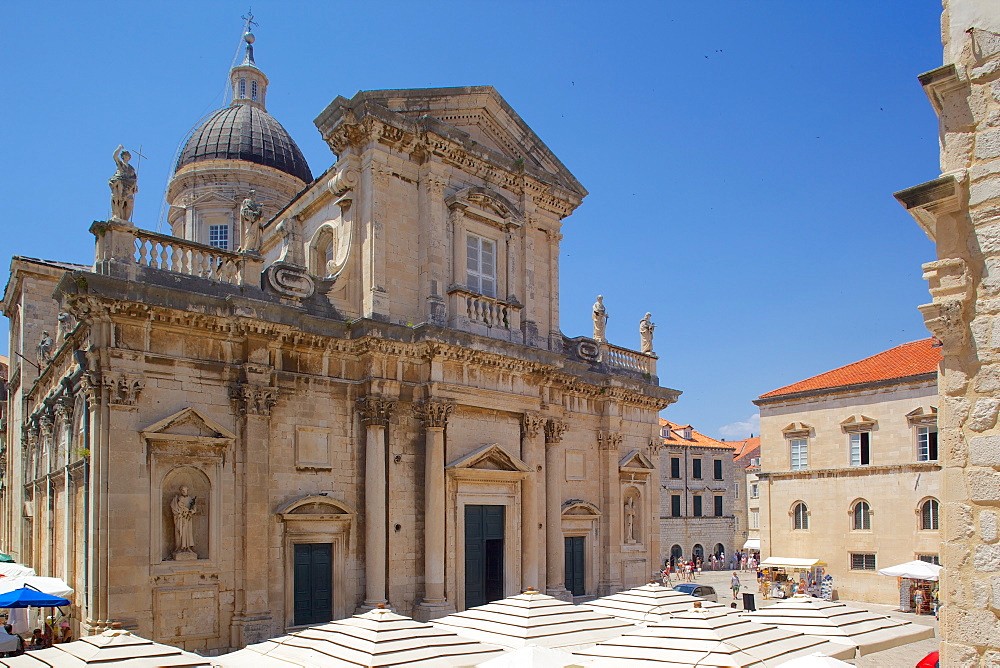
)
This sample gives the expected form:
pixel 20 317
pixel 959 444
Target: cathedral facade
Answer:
pixel 318 395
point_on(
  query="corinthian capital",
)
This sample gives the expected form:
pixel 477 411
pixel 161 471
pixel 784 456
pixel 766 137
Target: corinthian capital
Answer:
pixel 433 413
pixel 609 440
pixel 531 423
pixel 554 430
pixel 375 410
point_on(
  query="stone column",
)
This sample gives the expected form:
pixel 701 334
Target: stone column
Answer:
pixel 375 412
pixel 555 556
pixel 252 620
pixel 434 415
pixel 611 540
pixel 532 501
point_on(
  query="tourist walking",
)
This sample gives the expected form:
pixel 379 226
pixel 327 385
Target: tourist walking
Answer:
pixel 735 585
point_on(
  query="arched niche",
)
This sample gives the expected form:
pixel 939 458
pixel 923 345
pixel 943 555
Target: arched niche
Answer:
pixel 632 515
pixel 199 491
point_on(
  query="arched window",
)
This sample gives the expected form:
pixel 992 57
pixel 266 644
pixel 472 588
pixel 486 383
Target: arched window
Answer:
pixel 243 89
pixel 676 551
pixel 929 515
pixel 720 549
pixel 253 91
pixel 801 517
pixel 862 516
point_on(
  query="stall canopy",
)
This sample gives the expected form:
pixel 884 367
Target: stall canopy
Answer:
pixel 752 544
pixel 26 597
pixel 915 570
pixel 51 586
pixel 791 562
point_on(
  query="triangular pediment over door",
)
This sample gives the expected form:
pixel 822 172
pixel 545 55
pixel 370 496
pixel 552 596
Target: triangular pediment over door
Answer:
pixel 491 460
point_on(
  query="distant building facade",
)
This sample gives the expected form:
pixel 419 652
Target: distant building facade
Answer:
pixel 850 470
pixel 746 463
pixel 697 496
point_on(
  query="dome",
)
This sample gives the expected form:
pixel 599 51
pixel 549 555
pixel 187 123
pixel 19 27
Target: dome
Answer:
pixel 245 132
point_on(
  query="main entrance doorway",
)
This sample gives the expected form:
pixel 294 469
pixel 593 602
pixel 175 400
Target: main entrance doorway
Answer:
pixel 574 565
pixel 483 554
pixel 313 602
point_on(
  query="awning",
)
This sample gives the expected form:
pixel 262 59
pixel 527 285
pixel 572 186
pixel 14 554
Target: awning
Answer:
pixel 791 562
pixel 752 544
pixel 915 570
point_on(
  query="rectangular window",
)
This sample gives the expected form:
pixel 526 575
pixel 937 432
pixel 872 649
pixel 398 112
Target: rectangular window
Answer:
pixel 717 470
pixel 218 236
pixel 861 449
pixel 736 523
pixel 754 518
pixel 675 505
pixel 697 506
pixel 736 488
pixel 696 468
pixel 754 491
pixel 800 453
pixel 929 558
pixel 927 449
pixel 718 506
pixel 481 265
pixel 675 467
pixel 862 562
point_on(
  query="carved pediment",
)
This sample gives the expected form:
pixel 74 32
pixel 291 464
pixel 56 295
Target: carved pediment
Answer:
pixel 316 507
pixel 636 461
pixel 797 430
pixel 858 423
pixel 489 203
pixel 188 424
pixel 925 416
pixel 580 508
pixel 490 457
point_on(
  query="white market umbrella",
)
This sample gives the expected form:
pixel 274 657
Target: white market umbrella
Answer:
pixel 115 647
pixel 10 570
pixel 814 661
pixel 50 586
pixel 648 603
pixel 533 656
pixel 373 639
pixel 533 618
pixel 709 637
pixel 915 570
pixel 838 623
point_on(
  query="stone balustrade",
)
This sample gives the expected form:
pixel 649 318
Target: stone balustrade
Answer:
pixel 162 251
pixel 481 314
pixel 623 358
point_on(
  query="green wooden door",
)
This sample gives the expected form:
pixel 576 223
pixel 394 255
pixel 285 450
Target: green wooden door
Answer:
pixel 313 597
pixel 574 565
pixel 483 554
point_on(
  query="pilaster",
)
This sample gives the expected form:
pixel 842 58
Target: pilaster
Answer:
pixel 375 412
pixel 532 501
pixel 555 473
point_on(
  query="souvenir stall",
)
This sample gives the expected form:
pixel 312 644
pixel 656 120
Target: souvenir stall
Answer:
pixel 783 577
pixel 918 586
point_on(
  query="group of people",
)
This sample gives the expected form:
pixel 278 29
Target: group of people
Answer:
pixel 40 638
pixel 680 570
pixel 745 561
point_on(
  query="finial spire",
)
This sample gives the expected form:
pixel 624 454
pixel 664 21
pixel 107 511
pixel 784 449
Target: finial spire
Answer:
pixel 248 37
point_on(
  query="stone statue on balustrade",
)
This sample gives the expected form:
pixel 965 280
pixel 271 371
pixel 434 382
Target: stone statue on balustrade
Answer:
pixel 45 349
pixel 182 507
pixel 124 186
pixel 600 319
pixel 251 212
pixel 646 328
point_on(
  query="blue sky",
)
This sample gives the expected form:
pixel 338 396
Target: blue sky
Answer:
pixel 740 156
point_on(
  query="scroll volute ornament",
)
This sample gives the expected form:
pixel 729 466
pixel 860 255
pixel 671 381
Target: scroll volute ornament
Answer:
pixel 554 430
pixel 531 423
pixel 434 414
pixel 375 410
pixel 255 399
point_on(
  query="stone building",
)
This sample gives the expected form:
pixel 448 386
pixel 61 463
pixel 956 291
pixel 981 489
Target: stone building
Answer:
pixel 697 495
pixel 849 469
pixel 746 463
pixel 320 395
pixel 960 212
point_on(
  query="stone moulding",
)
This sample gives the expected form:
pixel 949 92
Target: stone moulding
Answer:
pixel 852 471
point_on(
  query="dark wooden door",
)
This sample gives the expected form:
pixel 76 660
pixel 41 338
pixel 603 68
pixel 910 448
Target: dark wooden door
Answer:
pixel 483 554
pixel 574 565
pixel 313 583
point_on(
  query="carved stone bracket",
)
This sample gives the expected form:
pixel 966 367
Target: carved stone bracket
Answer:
pixel 609 440
pixel 375 410
pixel 63 407
pixel 434 413
pixel 554 430
pixel 90 385
pixel 531 423
pixel 123 389
pixel 30 436
pixel 45 425
pixel 945 320
pixel 254 399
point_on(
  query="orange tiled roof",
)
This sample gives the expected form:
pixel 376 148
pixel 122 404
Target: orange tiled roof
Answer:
pixel 697 438
pixel 910 359
pixel 747 448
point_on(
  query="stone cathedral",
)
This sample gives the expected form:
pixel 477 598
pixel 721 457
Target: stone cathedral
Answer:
pixel 320 394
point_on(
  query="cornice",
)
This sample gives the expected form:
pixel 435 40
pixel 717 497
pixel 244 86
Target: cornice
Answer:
pixel 846 389
pixel 850 471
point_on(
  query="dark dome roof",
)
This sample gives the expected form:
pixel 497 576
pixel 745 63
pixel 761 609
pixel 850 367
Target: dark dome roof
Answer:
pixel 245 132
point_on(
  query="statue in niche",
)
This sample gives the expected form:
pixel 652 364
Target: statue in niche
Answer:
pixel 600 319
pixel 124 186
pixel 630 520
pixel 646 328
pixel 183 509
pixel 45 348
pixel 251 212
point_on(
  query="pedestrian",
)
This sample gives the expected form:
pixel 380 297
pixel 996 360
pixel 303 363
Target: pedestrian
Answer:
pixel 735 585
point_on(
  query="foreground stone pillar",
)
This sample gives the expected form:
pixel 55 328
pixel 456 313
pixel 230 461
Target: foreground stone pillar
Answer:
pixel 532 500
pixel 434 415
pixel 555 557
pixel 375 413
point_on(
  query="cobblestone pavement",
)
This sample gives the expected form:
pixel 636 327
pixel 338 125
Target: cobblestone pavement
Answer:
pixel 905 656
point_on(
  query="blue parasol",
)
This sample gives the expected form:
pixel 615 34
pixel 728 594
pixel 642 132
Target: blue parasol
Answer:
pixel 29 597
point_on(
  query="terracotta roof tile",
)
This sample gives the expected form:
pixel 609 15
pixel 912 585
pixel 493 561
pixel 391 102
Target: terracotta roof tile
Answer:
pixel 747 448
pixel 697 438
pixel 910 359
